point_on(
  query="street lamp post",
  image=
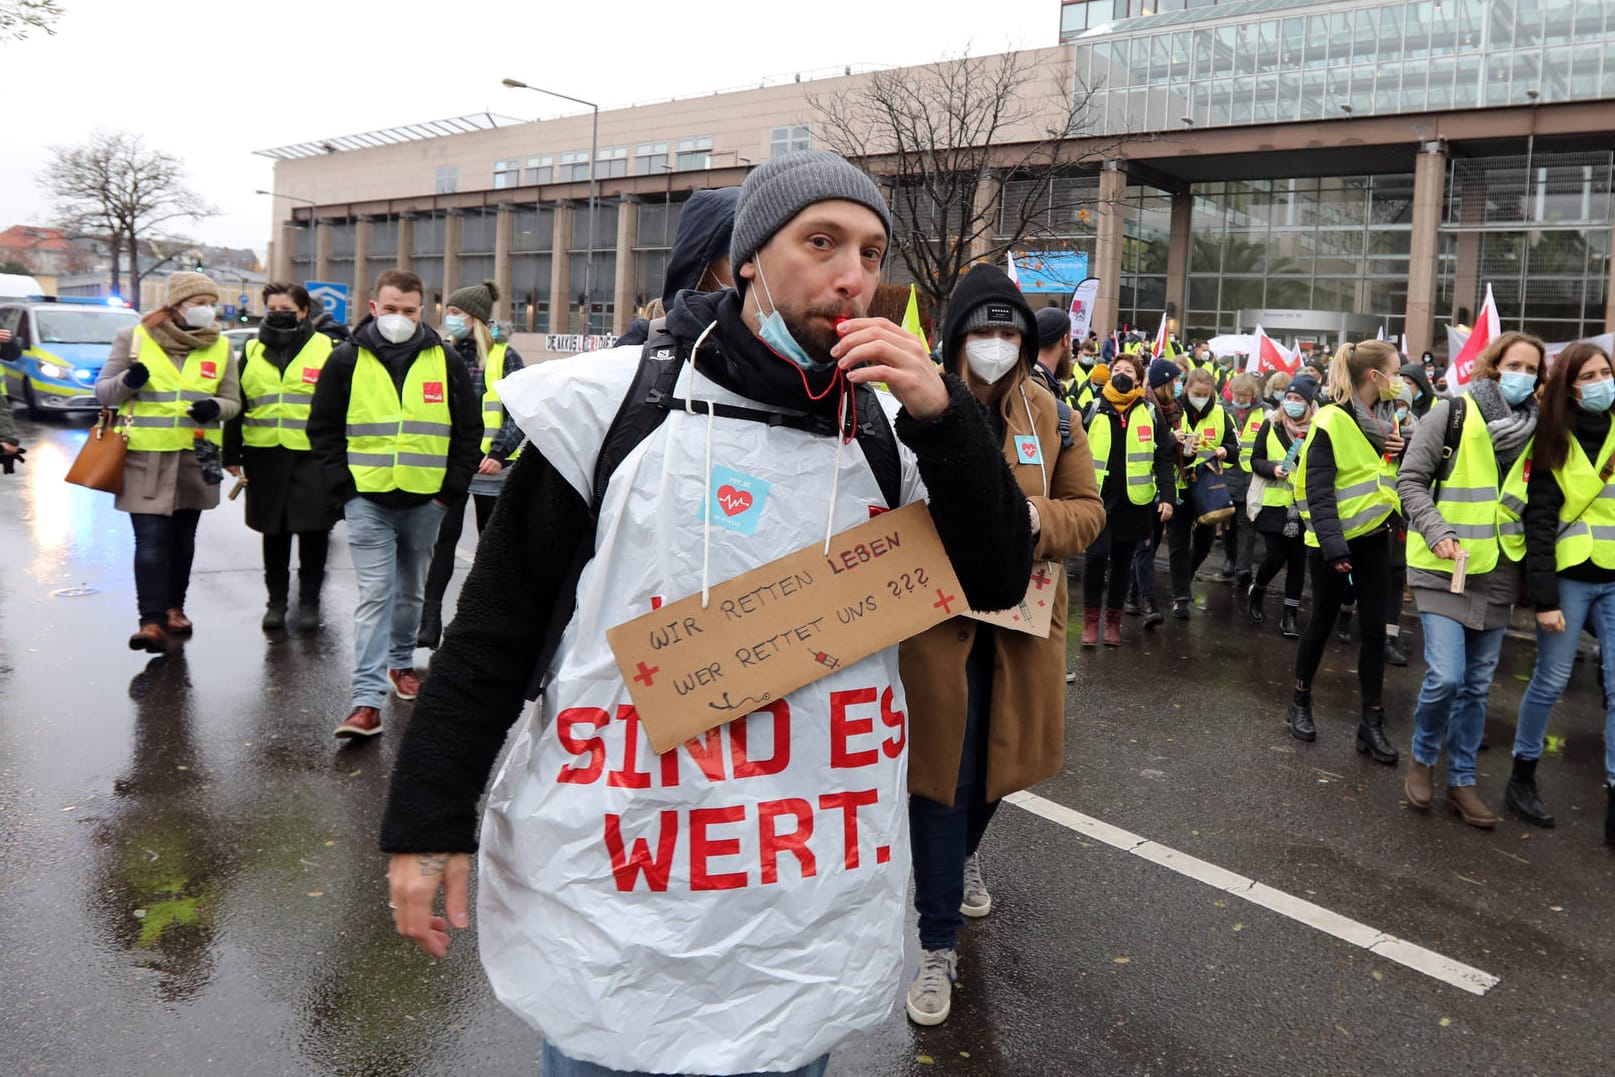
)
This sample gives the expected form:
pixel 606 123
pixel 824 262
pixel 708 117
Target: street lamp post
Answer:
pixel 313 227
pixel 594 150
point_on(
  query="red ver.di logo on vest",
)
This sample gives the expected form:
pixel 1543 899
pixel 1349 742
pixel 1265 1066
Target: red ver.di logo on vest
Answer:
pixel 210 369
pixel 311 375
pixel 432 392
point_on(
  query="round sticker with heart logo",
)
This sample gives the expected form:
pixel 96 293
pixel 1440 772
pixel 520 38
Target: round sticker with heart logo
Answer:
pixel 736 500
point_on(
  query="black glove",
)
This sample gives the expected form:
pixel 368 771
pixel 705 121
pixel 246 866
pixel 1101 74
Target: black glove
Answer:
pixel 10 460
pixel 204 411
pixel 137 375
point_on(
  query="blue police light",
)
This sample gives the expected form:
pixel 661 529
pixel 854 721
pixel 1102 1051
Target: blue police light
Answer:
pixel 116 301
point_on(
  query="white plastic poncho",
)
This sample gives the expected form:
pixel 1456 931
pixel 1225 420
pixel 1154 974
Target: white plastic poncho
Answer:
pixel 736 904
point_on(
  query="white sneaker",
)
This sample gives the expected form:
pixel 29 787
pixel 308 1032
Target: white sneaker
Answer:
pixel 977 902
pixel 930 996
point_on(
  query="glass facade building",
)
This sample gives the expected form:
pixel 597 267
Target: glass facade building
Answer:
pixel 1272 61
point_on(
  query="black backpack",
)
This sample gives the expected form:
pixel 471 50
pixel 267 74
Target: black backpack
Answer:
pixel 646 405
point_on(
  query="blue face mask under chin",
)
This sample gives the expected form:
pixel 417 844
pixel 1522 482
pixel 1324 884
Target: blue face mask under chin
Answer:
pixel 771 330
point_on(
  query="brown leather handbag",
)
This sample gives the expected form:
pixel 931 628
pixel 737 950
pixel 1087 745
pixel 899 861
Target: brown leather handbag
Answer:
pixel 99 465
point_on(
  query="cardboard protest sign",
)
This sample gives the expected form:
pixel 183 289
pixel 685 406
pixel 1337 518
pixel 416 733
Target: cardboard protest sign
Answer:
pixel 1035 613
pixel 768 632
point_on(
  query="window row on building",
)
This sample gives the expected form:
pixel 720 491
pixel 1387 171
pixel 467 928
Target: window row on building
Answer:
pixel 1388 57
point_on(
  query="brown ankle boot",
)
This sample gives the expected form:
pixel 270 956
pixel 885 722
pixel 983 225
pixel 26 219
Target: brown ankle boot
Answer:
pixel 1090 627
pixel 1419 786
pixel 1113 628
pixel 150 638
pixel 1467 803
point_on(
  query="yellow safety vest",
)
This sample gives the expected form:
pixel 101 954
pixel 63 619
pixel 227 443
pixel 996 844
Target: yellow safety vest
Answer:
pixel 157 412
pixel 493 412
pixel 1139 452
pixel 1587 518
pixel 1467 501
pixel 1206 437
pixel 277 401
pixel 399 444
pixel 1278 493
pixel 1365 485
pixel 1247 436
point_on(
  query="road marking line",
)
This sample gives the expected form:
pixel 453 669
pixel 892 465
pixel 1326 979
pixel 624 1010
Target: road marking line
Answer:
pixel 1456 973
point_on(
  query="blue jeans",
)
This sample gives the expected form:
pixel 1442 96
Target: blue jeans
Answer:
pixel 390 549
pixel 942 837
pixel 1459 665
pixel 555 1064
pixel 1580 603
pixel 164 549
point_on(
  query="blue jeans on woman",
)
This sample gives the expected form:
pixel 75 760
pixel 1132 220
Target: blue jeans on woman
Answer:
pixel 165 546
pixel 1580 603
pixel 1459 665
pixel 943 837
pixel 555 1064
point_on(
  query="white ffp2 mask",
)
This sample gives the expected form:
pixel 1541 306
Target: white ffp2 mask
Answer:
pixel 991 358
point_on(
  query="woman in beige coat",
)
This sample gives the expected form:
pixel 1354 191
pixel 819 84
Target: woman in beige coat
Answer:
pixel 174 383
pixel 987 705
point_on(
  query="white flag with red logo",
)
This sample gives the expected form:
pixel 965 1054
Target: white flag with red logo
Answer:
pixel 1162 347
pixel 1487 329
pixel 1269 357
pixel 1009 267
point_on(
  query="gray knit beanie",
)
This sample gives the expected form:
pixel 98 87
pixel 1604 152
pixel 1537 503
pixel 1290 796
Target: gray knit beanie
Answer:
pixel 476 300
pixel 785 186
pixel 997 314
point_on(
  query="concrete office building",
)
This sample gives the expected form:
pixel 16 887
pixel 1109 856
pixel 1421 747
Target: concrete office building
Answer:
pixel 1324 168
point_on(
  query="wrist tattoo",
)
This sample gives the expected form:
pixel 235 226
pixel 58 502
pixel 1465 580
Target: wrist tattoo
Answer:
pixel 433 863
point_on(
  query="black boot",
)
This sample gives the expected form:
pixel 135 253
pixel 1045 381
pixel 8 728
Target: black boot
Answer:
pixel 1299 717
pixel 1243 580
pixel 1289 622
pixel 274 616
pixel 1253 607
pixel 1371 737
pixel 1522 797
pixel 1152 616
pixel 1180 608
pixel 431 630
pixel 1394 654
pixel 1343 626
pixel 1131 605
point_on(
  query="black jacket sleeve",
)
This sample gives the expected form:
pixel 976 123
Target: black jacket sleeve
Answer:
pixel 327 422
pixel 1543 502
pixel 465 438
pixel 1260 464
pixel 11 350
pixel 979 509
pixel 480 674
pixel 1321 501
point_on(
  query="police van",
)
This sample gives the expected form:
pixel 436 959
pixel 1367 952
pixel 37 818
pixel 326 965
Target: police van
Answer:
pixel 64 343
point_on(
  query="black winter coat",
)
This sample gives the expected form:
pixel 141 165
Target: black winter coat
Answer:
pixel 1125 521
pixel 520 577
pixel 1543 500
pixel 286 491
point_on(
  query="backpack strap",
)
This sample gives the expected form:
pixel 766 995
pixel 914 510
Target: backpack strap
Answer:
pixel 1456 411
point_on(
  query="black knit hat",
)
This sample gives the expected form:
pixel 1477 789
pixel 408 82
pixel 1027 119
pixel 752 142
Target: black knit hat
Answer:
pixel 1052 324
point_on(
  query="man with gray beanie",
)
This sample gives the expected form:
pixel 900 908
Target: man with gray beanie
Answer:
pixel 661 915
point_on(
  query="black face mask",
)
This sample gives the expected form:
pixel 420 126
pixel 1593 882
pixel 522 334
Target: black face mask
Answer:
pixel 280 328
pixel 1122 383
pixel 281 319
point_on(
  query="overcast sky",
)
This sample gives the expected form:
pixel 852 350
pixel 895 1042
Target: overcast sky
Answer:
pixel 212 81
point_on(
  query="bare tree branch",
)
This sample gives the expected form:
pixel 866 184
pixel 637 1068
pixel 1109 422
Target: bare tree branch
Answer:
pixel 111 185
pixel 981 154
pixel 19 18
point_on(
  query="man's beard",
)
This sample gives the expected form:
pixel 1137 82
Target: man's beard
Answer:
pixel 816 340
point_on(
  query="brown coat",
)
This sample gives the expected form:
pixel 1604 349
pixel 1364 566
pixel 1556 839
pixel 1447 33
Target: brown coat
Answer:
pixel 1026 725
pixel 162 483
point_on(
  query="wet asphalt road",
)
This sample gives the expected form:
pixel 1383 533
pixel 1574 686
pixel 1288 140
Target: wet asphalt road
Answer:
pixel 189 871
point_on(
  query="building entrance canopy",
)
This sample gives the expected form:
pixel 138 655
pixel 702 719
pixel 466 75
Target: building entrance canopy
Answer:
pixel 1326 327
